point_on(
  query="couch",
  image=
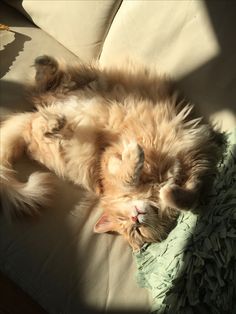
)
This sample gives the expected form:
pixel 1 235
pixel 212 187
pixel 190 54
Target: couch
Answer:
pixel 56 258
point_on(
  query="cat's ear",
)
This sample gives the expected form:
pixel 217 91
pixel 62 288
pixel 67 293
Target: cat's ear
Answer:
pixel 104 224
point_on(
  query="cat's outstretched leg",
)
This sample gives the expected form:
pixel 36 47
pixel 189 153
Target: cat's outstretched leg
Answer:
pixel 61 78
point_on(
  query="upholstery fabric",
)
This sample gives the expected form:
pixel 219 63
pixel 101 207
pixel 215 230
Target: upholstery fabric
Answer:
pixel 192 41
pixel 69 22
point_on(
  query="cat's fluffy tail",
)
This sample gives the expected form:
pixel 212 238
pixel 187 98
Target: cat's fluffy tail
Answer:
pixel 19 197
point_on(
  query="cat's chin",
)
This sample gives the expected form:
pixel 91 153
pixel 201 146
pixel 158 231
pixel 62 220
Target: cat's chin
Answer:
pixel 136 247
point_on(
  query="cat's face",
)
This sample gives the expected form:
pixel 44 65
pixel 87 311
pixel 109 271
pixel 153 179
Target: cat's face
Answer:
pixel 131 196
pixel 139 221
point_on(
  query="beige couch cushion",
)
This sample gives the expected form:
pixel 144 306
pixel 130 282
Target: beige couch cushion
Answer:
pixel 190 40
pixel 164 33
pixel 81 26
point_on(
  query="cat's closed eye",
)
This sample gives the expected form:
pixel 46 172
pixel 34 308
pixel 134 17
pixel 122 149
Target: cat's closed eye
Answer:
pixel 122 219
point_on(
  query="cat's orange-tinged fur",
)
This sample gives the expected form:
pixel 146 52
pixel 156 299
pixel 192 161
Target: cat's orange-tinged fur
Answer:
pixel 121 134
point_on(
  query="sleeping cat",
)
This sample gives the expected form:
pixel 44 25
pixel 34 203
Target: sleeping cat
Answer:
pixel 121 134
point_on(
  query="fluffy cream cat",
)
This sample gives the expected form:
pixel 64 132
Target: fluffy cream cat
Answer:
pixel 121 134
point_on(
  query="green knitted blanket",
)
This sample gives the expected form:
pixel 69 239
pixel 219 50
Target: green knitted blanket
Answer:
pixel 194 269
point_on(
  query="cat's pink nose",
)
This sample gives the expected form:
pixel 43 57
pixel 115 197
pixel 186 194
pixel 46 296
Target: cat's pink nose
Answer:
pixel 134 218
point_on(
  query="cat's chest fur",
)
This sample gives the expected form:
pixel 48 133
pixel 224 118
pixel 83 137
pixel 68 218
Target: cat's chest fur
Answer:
pixel 99 126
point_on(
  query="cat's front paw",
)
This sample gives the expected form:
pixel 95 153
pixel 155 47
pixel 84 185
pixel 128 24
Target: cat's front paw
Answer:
pixel 46 63
pixel 133 154
pixel 174 196
pixel 55 125
pixel 166 194
pixel 52 125
pixel 46 70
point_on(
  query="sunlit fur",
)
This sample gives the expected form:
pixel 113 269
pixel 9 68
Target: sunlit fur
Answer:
pixel 120 133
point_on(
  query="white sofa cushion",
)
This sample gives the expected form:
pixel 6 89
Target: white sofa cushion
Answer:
pixel 193 41
pixel 81 26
